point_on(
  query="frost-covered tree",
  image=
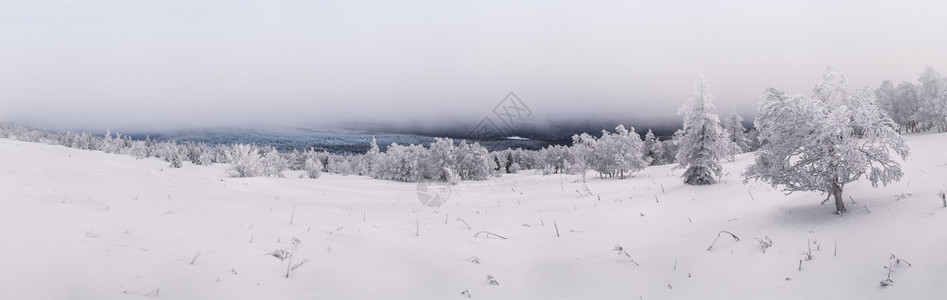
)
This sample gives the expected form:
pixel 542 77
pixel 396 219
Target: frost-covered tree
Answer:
pixel 556 159
pixel 647 148
pixel 702 143
pixel 612 154
pixel 342 164
pixel 473 162
pixel 371 157
pixel 910 104
pixel 401 163
pixel 245 161
pixel 659 152
pixel 628 150
pixel 832 89
pixel 932 93
pixel 581 152
pixel 509 163
pixel 811 145
pixel 274 164
pixel 736 133
pixel 440 160
pixel 312 167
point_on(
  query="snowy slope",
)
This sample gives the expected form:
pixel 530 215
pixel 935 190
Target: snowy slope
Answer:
pixel 88 225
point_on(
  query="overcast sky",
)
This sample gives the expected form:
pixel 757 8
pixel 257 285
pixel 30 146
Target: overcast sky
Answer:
pixel 157 64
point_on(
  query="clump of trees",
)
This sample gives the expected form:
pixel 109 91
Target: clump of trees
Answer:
pixel 916 107
pixel 611 155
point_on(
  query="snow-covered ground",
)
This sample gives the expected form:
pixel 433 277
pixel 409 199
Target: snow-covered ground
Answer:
pixel 87 225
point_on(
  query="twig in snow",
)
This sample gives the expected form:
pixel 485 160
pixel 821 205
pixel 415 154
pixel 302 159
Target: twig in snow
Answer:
pixel 466 293
pixel 474 259
pixel 292 215
pixel 153 293
pixel 943 197
pixel 862 205
pixel 488 234
pixel 557 228
pixel 285 254
pixel 621 251
pixel 735 238
pixel 765 243
pixel 465 223
pixel 491 280
pixel 196 255
pixel 751 195
pixel 808 254
pixel 903 196
pixel 894 261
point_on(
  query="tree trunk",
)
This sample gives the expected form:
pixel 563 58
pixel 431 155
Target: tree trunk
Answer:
pixel 837 193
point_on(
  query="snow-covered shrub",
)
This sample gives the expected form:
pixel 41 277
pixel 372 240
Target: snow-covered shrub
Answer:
pixel 340 164
pixel 313 167
pixel 245 161
pixel 274 164
pixel 139 149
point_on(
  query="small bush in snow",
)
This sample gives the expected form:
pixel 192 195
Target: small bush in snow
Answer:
pixel 313 167
pixel 245 160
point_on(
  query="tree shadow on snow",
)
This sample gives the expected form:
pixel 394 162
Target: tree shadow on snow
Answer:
pixel 805 211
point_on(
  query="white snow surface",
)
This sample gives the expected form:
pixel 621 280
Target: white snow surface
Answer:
pixel 78 224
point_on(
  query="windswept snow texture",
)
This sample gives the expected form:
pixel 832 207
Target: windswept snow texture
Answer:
pixel 88 225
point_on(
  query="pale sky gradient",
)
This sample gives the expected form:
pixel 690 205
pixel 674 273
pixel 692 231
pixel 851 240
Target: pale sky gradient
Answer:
pixel 156 64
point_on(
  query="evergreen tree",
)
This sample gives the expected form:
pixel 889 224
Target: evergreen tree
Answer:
pixel 736 133
pixel 702 143
pixel 648 148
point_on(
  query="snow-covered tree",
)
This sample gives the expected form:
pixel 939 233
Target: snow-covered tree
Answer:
pixel 371 157
pixel 582 156
pixel 648 148
pixel 473 162
pixel 703 143
pixel 342 164
pixel 833 88
pixel 312 167
pixel 245 161
pixel 274 164
pixel 440 160
pixel 932 94
pixel 628 150
pixel 736 133
pixel 659 153
pixel 401 163
pixel 811 145
pixel 556 159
